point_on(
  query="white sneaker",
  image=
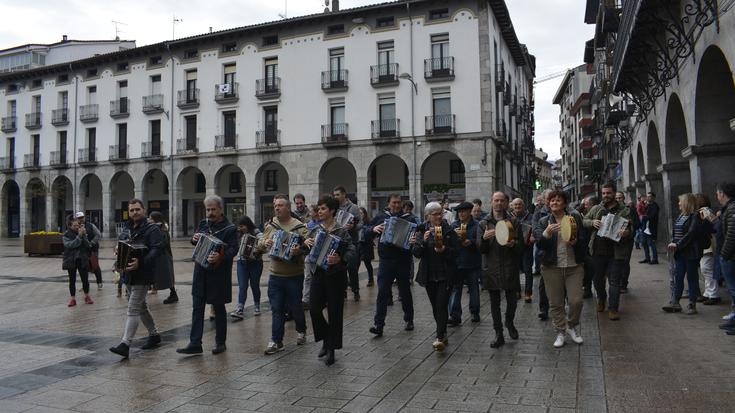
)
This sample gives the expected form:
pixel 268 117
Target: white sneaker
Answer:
pixel 559 342
pixel 273 348
pixel 574 335
pixel 256 310
pixel 301 339
pixel 729 317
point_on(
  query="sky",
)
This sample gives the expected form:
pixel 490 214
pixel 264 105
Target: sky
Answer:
pixel 554 31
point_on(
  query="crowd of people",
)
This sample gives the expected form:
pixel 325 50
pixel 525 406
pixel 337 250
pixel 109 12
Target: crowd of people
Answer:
pixel 576 250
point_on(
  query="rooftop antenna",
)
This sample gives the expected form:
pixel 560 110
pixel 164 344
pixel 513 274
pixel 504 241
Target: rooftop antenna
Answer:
pixel 326 6
pixel 117 28
pixel 284 15
pixel 173 26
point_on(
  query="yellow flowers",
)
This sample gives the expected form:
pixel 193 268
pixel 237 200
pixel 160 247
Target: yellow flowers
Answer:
pixel 46 233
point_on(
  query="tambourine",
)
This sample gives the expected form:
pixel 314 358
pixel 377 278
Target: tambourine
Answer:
pixel 438 237
pixel 462 232
pixel 504 232
pixel 568 228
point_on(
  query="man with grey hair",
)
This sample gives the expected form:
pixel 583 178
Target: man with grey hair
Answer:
pixel 212 285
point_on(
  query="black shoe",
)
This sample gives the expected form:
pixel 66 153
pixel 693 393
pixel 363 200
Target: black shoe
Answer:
pixel 475 318
pixel 712 301
pixel 587 293
pixel 728 325
pixel 219 348
pixel 646 261
pixel 190 349
pixel 453 322
pixel 370 283
pixel 543 315
pixel 653 262
pixel 172 298
pixel 153 341
pixel 323 351
pixel 378 331
pixel 390 302
pixel 730 332
pixel 357 296
pixel 409 326
pixel 121 349
pixel 330 357
pixel 512 332
pixel 499 340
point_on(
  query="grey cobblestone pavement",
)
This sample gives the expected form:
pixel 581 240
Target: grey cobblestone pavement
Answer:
pixel 55 359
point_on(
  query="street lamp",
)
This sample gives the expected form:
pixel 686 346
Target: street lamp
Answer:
pixel 415 196
pixel 406 76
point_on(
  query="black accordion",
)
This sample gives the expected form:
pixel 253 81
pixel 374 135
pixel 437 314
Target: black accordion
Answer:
pixel 283 243
pixel 126 251
pixel 248 247
pixel 206 245
pixel 324 245
pixel 398 233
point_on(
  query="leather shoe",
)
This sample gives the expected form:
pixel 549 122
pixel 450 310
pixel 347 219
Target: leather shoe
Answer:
pixel 453 322
pixel 728 325
pixel 475 318
pixel 512 332
pixel 323 351
pixel 153 341
pixel 644 262
pixel 378 331
pixel 543 315
pixel 499 340
pixel 653 262
pixel 190 349
pixel 121 349
pixel 219 348
pixel 712 301
pixel 409 326
pixel 330 357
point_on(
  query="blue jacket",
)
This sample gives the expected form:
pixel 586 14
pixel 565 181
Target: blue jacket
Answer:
pixel 469 257
pixel 390 252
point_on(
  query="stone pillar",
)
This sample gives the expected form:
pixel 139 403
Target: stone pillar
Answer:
pixel 362 191
pixel 251 204
pixel 211 190
pixel 139 193
pixel 676 180
pixel 24 208
pixel 656 185
pixel 108 215
pixel 414 190
pixel 50 212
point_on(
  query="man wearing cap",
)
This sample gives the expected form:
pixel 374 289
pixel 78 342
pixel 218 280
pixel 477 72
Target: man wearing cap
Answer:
pixel 468 265
pixel 93 233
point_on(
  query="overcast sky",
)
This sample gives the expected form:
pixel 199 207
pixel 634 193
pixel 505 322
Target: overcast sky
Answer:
pixel 553 30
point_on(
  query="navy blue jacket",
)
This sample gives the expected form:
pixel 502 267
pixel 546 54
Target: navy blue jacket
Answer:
pixel 215 284
pixel 385 251
pixel 469 257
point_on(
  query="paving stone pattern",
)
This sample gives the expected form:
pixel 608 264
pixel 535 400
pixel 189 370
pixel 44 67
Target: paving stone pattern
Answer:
pixel 55 359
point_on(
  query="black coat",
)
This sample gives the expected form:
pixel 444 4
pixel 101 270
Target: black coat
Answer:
pixel 347 251
pixel 150 236
pixel 215 284
pixel 690 245
pixel 500 264
pixel 652 219
pixel 76 251
pixel 447 270
pixel 164 272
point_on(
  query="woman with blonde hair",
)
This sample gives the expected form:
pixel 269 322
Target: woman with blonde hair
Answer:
pixel 686 249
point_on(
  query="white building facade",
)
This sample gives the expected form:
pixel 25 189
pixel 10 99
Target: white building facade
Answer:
pixel 392 98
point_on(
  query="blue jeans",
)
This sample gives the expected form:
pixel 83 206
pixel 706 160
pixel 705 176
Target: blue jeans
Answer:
pixel 649 243
pixel 469 277
pixel 690 268
pixel 197 321
pixel 727 268
pixel 389 270
pixel 248 272
pixel 285 293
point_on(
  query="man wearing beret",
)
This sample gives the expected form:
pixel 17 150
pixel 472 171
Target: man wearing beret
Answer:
pixel 468 265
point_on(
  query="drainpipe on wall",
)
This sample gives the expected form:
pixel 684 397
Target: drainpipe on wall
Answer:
pixel 171 185
pixel 418 202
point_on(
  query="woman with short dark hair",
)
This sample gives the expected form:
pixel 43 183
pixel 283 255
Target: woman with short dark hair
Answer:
pixel 249 271
pixel 77 249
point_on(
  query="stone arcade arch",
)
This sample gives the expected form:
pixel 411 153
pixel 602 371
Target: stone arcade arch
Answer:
pixel 387 174
pixel 676 172
pixel 35 206
pixel 443 177
pixel 229 183
pixel 91 201
pixel 63 202
pixel 640 169
pixel 653 176
pixel 122 190
pixel 271 179
pixel 156 192
pixel 10 209
pixel 338 172
pixel 191 189
pixel 714 108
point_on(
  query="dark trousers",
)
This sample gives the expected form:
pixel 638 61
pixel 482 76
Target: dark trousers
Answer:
pixel 543 299
pixel 625 273
pixel 369 267
pixel 469 277
pixel 649 244
pixel 389 270
pixel 284 293
pixel 511 302
pixel 527 269
pixel 438 292
pixel 84 275
pixel 607 267
pixel 328 291
pixel 197 321
pixel 352 270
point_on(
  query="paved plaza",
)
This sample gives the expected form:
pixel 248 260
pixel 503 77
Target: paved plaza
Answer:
pixel 54 358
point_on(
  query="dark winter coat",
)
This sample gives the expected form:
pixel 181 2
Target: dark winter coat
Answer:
pixel 346 251
pixel 215 284
pixel 386 251
pixel 500 264
pixel 76 251
pixel 366 244
pixel 727 217
pixel 164 272
pixel 468 257
pixel 690 245
pixel 652 219
pixel 435 267
pixel 149 235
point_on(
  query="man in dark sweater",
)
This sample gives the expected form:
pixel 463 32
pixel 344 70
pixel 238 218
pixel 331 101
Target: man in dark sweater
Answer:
pixel 650 228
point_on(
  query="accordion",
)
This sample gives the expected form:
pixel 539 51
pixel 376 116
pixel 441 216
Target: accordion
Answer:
pixel 248 247
pixel 343 218
pixel 206 245
pixel 398 233
pixel 324 245
pixel 283 243
pixel 126 251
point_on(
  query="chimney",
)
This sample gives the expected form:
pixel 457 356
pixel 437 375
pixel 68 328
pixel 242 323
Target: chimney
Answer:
pixel 64 38
pixel 335 5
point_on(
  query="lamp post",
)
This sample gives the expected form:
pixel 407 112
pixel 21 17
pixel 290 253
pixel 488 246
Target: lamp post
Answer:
pixel 415 196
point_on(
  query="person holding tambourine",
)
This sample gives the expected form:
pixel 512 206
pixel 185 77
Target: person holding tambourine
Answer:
pixel 562 260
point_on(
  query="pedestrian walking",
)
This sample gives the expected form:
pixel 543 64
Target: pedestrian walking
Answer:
pixel 468 263
pixel 165 278
pixel 710 295
pixel 525 218
pixel 650 231
pixel 77 249
pixel 633 225
pixel 353 226
pixel 726 198
pixel 95 236
pixel 367 247
pixel 249 270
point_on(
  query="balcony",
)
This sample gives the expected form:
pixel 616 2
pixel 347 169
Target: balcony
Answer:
pixel 334 134
pixel 152 104
pixel 7 164
pixel 188 99
pixel 150 151
pixel 506 94
pixel 440 126
pixel 384 75
pixel 268 140
pixel 439 69
pixel 385 130
pixel 59 159
pixel 9 124
pixel 226 93
pixel 89 113
pixel 188 147
pixel 60 117
pixel 268 88
pixel 120 108
pixel 119 153
pixel 334 81
pixel 33 120
pixel 513 106
pixel 87 156
pixel 499 77
pixel 225 144
pixel 32 161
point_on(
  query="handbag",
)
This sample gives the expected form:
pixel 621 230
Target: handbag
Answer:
pixel 94 263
